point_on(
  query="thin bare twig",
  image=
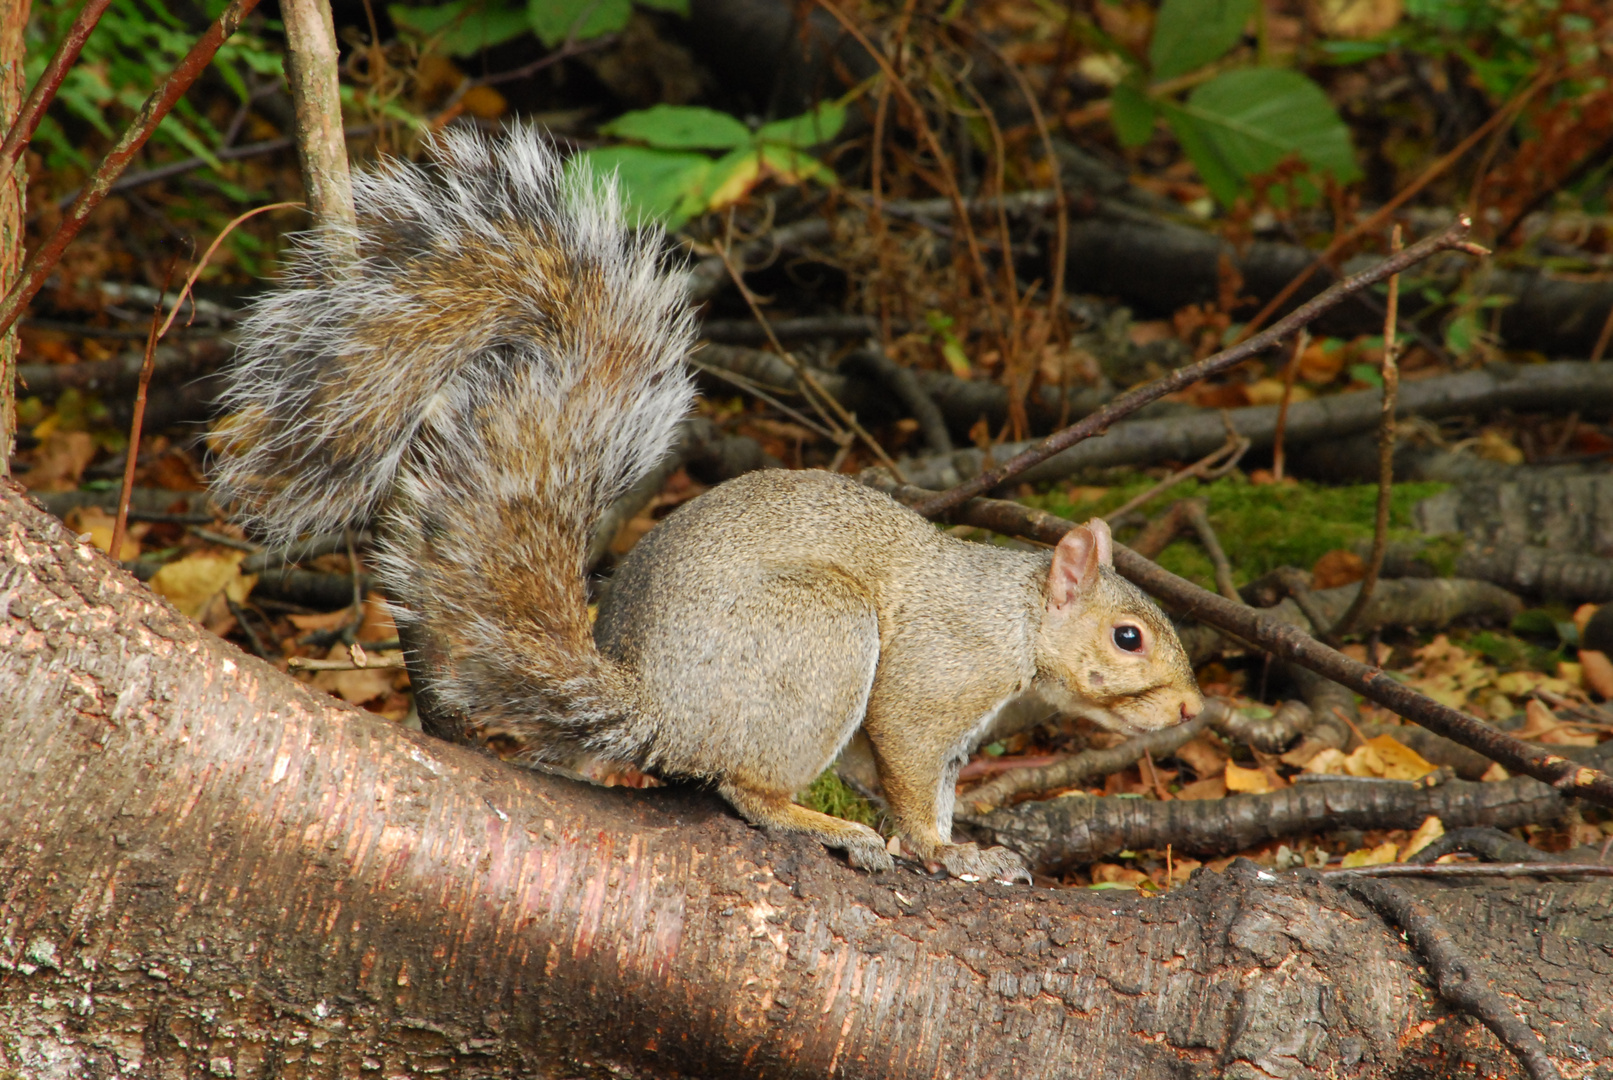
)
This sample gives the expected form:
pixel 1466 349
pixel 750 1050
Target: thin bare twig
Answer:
pixel 1302 341
pixel 1452 238
pixel 943 161
pixel 33 110
pixel 1603 338
pixel 120 526
pixel 146 368
pixel 1212 466
pixel 1386 458
pixel 117 159
pixel 1199 517
pixel 820 398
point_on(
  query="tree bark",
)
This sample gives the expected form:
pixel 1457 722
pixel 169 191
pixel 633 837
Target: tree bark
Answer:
pixel 13 198
pixel 210 869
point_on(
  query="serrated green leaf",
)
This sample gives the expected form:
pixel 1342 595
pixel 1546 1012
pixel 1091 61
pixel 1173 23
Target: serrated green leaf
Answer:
pixel 807 130
pixel 661 185
pixel 464 28
pixel 680 127
pixel 1217 173
pixel 1243 123
pixel 556 20
pixel 1190 33
pixel 1132 115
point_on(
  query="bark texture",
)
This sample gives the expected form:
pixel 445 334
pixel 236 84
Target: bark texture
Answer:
pixel 210 870
pixel 13 195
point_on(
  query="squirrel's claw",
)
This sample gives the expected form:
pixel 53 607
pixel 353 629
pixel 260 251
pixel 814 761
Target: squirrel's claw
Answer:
pixel 967 862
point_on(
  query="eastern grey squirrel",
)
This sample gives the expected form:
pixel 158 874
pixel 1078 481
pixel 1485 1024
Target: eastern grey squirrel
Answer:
pixel 503 358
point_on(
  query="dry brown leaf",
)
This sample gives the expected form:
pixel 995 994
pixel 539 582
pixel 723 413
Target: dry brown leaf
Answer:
pixel 1270 392
pixel 1327 762
pixel 1104 873
pixel 1495 772
pixel 99 524
pixel 1596 670
pixel 1247 781
pixel 1385 852
pixel 1582 616
pixel 1336 568
pixel 1387 757
pixel 191 583
pixel 1203 757
pixel 360 685
pixel 1430 830
pixel 329 620
pixel 1542 726
pixel 1213 787
pixel 377 624
pixel 60 460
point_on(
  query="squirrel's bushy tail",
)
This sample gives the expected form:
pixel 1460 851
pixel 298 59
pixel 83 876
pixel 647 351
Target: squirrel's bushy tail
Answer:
pixel 501 359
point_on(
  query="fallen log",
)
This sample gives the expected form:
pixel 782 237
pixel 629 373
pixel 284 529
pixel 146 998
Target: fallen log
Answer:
pixel 212 869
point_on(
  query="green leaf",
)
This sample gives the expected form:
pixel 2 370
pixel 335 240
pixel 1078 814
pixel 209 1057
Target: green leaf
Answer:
pixel 1190 33
pixel 807 130
pixel 1366 373
pixel 680 127
pixel 792 164
pixel 1242 123
pixel 556 20
pixel 661 185
pixel 1353 52
pixel 464 28
pixel 1132 115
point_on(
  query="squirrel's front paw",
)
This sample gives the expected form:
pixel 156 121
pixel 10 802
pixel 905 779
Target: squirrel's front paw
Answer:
pixel 867 852
pixel 967 862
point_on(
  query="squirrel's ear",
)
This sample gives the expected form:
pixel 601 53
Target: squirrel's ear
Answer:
pixel 1106 542
pixel 1076 561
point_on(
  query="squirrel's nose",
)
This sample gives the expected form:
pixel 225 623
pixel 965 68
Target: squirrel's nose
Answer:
pixel 1189 711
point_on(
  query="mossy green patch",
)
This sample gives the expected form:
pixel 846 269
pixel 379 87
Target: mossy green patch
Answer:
pixel 830 795
pixel 1261 527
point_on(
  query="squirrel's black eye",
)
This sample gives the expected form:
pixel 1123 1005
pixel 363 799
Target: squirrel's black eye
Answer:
pixel 1129 638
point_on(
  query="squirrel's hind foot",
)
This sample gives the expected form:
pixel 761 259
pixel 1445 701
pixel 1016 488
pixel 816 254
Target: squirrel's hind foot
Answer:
pixel 864 847
pixel 967 862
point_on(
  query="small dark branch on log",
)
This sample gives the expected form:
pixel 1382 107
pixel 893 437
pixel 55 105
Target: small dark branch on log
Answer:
pixel 749 332
pixel 1487 843
pixel 1453 238
pixel 1076 770
pixel 1458 980
pixel 1057 834
pixel 151 113
pixel 44 92
pixel 1296 646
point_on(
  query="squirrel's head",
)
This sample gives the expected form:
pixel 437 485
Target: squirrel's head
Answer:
pixel 1106 651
